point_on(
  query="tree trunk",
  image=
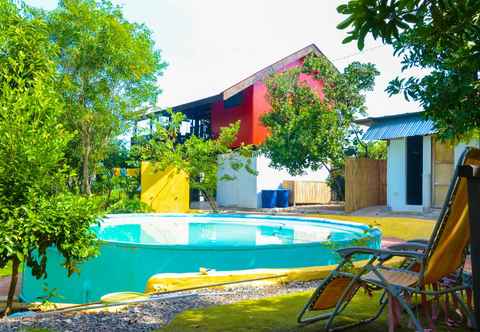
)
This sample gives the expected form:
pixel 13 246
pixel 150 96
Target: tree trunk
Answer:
pixel 86 188
pixel 212 202
pixel 13 286
pixel 340 190
pixel 338 187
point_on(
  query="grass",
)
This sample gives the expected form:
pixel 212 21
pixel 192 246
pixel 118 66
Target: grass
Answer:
pixel 276 314
pixel 401 228
pixel 7 270
pixel 279 313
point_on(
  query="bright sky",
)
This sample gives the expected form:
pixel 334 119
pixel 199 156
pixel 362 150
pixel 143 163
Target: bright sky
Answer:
pixel 212 44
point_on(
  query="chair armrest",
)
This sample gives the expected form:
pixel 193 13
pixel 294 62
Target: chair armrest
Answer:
pixel 409 246
pixel 423 241
pixel 382 254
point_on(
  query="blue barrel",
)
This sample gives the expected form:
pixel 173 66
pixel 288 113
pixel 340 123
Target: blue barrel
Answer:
pixel 269 198
pixel 282 198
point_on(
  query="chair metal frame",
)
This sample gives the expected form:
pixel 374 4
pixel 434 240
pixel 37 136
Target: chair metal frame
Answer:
pixel 415 252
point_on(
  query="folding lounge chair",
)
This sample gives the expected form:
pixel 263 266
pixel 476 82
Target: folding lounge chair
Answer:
pixel 425 265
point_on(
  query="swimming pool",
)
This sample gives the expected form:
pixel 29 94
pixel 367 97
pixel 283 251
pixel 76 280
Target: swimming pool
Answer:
pixel 137 246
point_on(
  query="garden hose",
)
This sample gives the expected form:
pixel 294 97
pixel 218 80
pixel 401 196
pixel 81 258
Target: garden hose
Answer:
pixel 124 298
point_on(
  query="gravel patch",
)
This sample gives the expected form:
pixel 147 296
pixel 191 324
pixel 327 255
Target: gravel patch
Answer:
pixel 150 315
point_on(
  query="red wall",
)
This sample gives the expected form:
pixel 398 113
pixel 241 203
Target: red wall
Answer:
pixel 255 104
pixel 222 117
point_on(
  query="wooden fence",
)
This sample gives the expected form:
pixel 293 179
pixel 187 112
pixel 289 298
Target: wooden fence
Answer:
pixel 308 192
pixel 365 183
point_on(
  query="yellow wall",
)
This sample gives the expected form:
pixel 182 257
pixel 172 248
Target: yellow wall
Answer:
pixel 164 191
pixel 117 171
pixel 132 171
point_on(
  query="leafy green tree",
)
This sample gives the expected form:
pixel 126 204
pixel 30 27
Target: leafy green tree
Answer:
pixel 108 68
pixel 197 157
pixel 309 131
pixel 116 155
pixel 37 212
pixel 359 148
pixel 440 36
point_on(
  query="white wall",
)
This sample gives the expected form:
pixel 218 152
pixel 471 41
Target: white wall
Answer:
pixel 270 178
pixel 240 192
pixel 396 174
pixel 245 191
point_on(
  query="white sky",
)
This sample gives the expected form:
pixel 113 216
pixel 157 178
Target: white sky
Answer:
pixel 212 44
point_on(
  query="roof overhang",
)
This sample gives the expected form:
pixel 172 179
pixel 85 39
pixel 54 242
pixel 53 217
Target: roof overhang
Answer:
pixel 397 126
pixel 197 109
pixel 202 107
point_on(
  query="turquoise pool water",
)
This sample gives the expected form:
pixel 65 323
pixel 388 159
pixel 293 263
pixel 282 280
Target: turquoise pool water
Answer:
pixel 137 246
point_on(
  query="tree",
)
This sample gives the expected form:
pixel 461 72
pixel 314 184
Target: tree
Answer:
pixel 359 148
pixel 116 155
pixel 440 36
pixel 108 68
pixel 37 210
pixel 309 131
pixel 198 158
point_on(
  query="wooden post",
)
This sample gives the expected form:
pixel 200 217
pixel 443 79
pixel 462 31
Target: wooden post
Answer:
pixel 472 174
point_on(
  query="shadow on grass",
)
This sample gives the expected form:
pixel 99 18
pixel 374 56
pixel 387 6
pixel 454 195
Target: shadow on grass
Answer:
pixel 277 314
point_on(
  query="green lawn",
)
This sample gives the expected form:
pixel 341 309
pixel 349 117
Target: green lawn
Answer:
pixel 401 228
pixel 6 271
pixel 279 313
pixel 275 314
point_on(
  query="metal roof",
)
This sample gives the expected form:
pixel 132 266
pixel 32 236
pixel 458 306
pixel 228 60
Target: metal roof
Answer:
pixel 277 66
pixel 397 126
pixel 201 108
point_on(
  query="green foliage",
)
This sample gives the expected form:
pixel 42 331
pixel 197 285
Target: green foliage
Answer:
pixel 116 155
pixel 373 150
pixel 359 148
pixel 45 303
pixel 310 131
pixel 108 68
pixel 198 158
pixel 37 212
pixel 105 182
pixel 296 110
pixel 129 205
pixel 440 36
pixel 7 270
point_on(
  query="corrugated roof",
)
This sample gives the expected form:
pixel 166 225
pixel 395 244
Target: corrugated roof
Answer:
pixel 396 126
pixel 192 107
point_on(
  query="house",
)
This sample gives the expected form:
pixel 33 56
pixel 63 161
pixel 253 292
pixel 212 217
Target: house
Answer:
pixel 245 101
pixel 419 165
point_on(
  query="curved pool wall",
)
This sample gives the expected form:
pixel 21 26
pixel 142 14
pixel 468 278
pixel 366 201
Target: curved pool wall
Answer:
pixel 136 246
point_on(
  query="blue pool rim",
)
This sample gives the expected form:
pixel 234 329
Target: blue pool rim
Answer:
pixel 127 266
